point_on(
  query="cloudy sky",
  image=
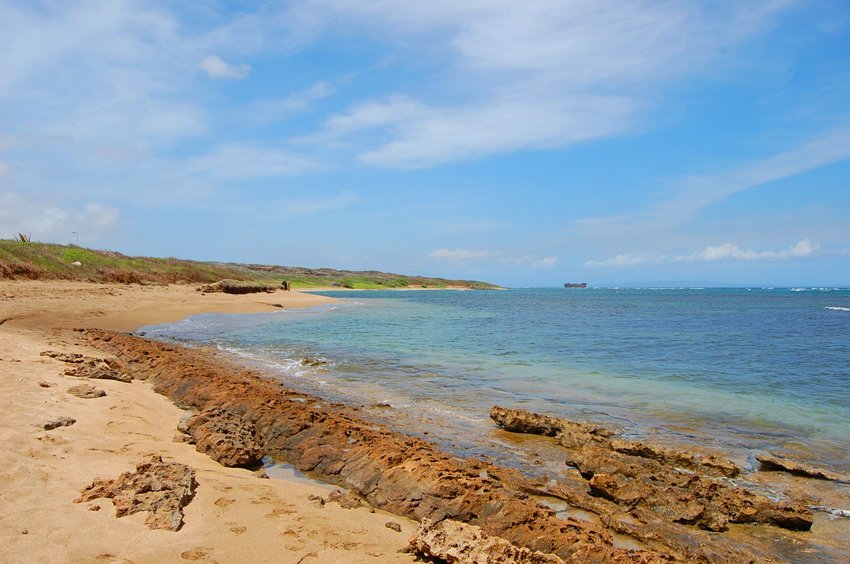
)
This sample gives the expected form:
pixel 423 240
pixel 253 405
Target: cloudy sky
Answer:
pixel 525 143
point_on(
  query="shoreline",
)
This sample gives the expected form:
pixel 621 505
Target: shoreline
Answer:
pixel 30 325
pixel 234 515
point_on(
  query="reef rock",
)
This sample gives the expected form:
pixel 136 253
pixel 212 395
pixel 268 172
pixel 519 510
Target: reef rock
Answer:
pixel 160 488
pixel 646 487
pixel 462 543
pixel 400 474
pixel 572 435
pixel 771 461
pixel 225 437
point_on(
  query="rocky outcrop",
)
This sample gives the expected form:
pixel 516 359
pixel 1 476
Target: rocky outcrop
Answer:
pixel 653 482
pixel 225 437
pixel 646 487
pixel 771 461
pixel 401 474
pixel 160 488
pixel 453 541
pixel 572 434
pixel 86 391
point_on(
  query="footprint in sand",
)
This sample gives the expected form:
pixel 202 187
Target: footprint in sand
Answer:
pixel 197 553
pixel 224 502
pixel 238 530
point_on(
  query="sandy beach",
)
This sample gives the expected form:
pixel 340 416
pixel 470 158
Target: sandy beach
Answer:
pixel 235 516
pixel 55 501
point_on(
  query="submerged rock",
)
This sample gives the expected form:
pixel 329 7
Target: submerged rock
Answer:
pixel 160 488
pixel 653 482
pixel 571 435
pixel 771 461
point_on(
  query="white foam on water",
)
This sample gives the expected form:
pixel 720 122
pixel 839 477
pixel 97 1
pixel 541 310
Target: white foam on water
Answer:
pixel 833 512
pixel 837 308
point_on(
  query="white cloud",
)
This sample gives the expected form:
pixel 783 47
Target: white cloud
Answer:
pixel 44 219
pixel 545 263
pixel 530 76
pixel 728 251
pixel 725 252
pixel 307 206
pixel 628 259
pixel 243 162
pixel 690 195
pixel 461 255
pixel 270 110
pixel 218 69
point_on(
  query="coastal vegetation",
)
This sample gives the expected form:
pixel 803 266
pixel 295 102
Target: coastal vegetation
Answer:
pixel 22 259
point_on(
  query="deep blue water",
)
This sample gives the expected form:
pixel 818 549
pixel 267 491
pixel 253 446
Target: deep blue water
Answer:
pixel 747 369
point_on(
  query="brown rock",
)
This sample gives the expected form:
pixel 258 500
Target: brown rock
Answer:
pixel 344 499
pixel 225 437
pixel 771 461
pixel 44 384
pixel 59 422
pixel 98 370
pixel 160 488
pixel 645 487
pixel 393 525
pixel 573 435
pixel 72 358
pixel 400 474
pixel 310 361
pixel 453 541
pixel 86 391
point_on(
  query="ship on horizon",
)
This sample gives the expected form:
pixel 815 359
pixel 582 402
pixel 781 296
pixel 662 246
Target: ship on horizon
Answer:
pixel 575 284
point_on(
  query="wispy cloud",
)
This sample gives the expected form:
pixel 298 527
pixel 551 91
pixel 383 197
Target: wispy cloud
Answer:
pixel 546 263
pixel 270 110
pixel 724 252
pixel 307 206
pixel 534 76
pixel 467 225
pixel 217 69
pixel 690 195
pixel 461 255
pixel 247 161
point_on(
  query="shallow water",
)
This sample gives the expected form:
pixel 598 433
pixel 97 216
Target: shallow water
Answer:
pixel 741 369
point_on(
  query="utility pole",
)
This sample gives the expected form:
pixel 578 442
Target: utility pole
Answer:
pixel 76 238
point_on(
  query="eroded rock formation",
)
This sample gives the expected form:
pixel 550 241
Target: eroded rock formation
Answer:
pixel 787 463
pixel 656 482
pixel 571 434
pixel 401 474
pixel 453 541
pixel 160 488
pixel 226 437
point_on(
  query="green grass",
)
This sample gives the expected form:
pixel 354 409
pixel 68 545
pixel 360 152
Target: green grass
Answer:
pixel 45 261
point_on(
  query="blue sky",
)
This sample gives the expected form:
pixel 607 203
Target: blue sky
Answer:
pixel 525 143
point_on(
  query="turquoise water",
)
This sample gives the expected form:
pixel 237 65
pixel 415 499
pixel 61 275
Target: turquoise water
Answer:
pixel 744 369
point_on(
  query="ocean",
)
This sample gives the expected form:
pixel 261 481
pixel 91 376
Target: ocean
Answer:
pixel 743 370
